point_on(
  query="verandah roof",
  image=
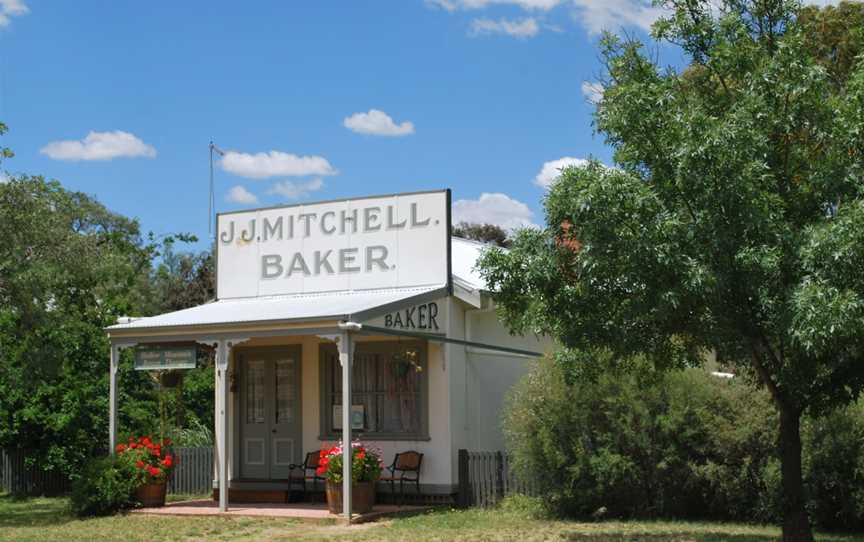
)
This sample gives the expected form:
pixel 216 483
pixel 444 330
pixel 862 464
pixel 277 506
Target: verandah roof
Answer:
pixel 282 308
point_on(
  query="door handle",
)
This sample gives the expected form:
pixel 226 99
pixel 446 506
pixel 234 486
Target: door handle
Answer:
pixel 273 431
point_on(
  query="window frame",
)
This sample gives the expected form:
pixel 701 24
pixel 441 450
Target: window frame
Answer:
pixel 326 432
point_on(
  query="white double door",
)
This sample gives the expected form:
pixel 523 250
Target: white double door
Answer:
pixel 270 418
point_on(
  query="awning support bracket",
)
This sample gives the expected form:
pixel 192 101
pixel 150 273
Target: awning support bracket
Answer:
pixel 375 330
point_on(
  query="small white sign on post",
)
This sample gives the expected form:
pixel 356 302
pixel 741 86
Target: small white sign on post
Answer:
pixel 394 241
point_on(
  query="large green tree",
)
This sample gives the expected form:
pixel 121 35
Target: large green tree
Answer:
pixel 485 233
pixel 732 220
pixel 68 267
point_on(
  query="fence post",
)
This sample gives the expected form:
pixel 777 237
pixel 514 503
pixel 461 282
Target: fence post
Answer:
pixel 499 476
pixel 464 499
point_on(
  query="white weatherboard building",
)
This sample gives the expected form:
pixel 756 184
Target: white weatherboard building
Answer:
pixel 368 302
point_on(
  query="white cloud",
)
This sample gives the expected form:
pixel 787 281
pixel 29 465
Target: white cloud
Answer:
pixel 518 28
pixel 613 15
pixel 599 15
pixel 239 194
pixel 493 208
pixel 4 177
pixel 376 122
pixel 453 5
pixel 99 146
pixel 263 165
pixel 11 8
pixel 552 169
pixel 593 92
pixel 296 189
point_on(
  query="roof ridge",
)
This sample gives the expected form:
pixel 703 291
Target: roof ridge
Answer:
pixel 330 293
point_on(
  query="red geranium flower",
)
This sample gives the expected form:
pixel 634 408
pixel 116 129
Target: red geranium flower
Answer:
pixel 139 464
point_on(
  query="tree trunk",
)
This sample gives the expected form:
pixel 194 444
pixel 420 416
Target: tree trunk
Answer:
pixel 796 525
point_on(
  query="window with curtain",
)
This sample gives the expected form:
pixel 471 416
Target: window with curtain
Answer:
pixel 388 390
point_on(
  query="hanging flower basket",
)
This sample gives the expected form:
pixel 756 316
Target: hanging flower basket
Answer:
pixel 170 379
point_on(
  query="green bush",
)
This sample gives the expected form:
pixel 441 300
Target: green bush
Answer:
pixel 105 487
pixel 834 467
pixel 683 444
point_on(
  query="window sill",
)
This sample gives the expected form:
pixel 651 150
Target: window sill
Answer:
pixel 381 437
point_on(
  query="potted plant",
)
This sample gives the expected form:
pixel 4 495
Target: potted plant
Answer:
pixel 151 465
pixel 365 471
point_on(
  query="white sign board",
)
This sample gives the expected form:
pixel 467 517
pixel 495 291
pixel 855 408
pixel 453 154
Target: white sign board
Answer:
pixel 378 242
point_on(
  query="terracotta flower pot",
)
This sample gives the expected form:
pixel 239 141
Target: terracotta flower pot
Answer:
pixel 151 495
pixel 362 497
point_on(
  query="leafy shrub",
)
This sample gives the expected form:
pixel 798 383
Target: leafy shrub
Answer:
pixel 195 434
pixel 834 467
pixel 683 444
pixel 105 486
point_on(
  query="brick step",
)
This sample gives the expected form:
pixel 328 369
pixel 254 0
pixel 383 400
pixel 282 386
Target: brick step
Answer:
pixel 236 495
pixel 254 495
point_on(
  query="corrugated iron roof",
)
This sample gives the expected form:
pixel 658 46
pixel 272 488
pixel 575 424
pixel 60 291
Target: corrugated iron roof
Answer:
pixel 465 254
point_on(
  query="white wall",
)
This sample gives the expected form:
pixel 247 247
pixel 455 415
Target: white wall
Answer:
pixel 489 376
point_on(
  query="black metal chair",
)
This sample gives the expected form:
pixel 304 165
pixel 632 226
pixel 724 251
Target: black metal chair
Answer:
pixel 407 465
pixel 310 463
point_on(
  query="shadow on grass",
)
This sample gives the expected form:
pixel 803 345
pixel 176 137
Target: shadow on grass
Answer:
pixel 714 533
pixel 33 511
pixel 682 535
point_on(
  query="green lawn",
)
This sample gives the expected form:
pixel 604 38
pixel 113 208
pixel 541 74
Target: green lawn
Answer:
pixel 48 519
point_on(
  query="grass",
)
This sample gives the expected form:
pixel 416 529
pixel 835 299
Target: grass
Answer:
pixel 48 519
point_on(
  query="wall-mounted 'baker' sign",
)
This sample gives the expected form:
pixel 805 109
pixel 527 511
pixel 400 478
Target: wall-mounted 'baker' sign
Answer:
pixel 379 242
pixel 424 317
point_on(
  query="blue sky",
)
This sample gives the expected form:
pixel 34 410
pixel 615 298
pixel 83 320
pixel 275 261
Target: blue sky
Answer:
pixel 313 100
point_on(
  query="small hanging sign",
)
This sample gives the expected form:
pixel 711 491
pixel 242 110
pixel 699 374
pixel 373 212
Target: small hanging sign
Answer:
pixel 158 358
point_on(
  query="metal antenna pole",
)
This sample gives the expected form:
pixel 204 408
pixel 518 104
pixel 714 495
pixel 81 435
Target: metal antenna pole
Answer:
pixel 212 202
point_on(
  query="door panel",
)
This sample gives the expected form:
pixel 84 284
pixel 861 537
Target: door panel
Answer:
pixel 271 422
pixel 286 427
pixel 254 431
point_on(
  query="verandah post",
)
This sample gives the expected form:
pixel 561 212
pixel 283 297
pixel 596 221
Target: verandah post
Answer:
pixel 347 451
pixel 222 422
pixel 112 397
